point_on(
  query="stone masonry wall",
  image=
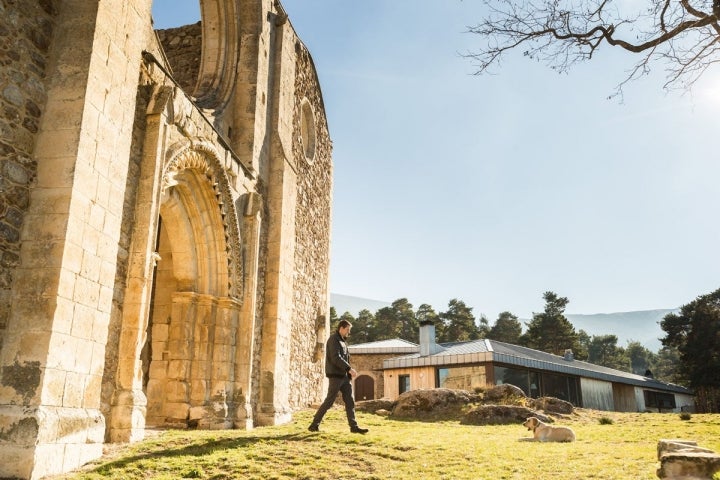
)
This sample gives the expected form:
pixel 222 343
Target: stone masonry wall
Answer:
pixel 183 47
pixel 367 364
pixel 312 227
pixel 24 44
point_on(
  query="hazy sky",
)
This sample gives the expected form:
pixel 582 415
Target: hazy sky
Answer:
pixel 494 189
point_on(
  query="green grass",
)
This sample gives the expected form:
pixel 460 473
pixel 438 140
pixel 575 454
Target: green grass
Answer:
pixel 623 449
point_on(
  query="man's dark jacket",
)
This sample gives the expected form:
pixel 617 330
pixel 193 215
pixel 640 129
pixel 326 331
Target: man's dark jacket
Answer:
pixel 337 357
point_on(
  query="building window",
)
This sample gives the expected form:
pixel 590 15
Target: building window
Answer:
pixel 307 130
pixel 659 400
pixel 538 384
pixel 403 383
pixel 461 378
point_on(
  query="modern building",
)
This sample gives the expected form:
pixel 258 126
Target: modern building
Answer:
pixel 397 366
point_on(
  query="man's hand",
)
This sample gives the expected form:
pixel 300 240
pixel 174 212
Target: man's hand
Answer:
pixel 353 373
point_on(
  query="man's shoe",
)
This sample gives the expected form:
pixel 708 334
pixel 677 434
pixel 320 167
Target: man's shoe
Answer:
pixel 359 430
pixel 314 428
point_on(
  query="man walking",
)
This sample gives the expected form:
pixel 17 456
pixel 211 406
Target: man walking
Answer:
pixel 339 373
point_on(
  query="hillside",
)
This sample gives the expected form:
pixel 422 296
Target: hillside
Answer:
pixel 347 303
pixel 643 326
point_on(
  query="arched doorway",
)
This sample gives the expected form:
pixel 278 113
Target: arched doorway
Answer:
pixel 193 321
pixel 364 388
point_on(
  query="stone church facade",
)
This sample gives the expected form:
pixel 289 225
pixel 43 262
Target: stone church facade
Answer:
pixel 165 201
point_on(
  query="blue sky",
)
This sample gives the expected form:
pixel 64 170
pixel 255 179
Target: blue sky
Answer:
pixel 496 188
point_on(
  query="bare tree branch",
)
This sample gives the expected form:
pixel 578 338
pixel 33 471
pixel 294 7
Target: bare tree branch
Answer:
pixel 682 35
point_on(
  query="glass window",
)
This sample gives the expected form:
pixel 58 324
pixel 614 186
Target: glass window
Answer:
pixel 461 378
pixel 659 400
pixel 560 386
pixel 441 377
pixel 404 383
pixel 513 376
pixel 536 384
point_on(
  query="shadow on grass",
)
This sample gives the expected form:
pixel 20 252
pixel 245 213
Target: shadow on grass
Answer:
pixel 198 449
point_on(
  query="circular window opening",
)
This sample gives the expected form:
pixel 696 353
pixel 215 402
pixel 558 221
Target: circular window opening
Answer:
pixel 307 130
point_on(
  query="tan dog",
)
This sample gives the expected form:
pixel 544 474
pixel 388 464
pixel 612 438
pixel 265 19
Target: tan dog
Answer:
pixel 542 432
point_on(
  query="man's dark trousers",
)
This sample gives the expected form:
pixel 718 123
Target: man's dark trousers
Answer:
pixel 338 384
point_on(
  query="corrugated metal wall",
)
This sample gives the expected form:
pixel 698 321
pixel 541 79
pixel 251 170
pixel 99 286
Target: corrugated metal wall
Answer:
pixel 597 394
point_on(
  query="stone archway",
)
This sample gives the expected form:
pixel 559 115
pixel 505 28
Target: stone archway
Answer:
pixel 193 322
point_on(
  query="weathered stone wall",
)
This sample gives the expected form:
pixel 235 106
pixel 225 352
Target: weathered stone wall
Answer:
pixel 312 232
pixel 25 38
pixel 368 364
pixel 182 47
pixel 156 267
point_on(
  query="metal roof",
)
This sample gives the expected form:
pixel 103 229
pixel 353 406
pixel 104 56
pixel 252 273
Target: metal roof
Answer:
pixel 485 350
pixel 395 345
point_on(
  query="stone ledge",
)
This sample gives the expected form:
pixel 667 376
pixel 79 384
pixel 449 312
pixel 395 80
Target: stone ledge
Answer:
pixel 684 460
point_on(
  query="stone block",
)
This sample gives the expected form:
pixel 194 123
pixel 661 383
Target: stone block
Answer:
pixel 48 459
pixel 33 346
pixel 176 412
pixel 83 356
pixel 158 369
pixel 160 332
pixel 17 461
pixel 86 292
pixel 90 266
pixel 221 371
pixel 82 327
pixel 92 392
pixel 74 390
pixel 97 362
pixel 53 387
pixel 99 327
pixel 176 391
pixel 199 391
pixel 684 460
pixel 178 369
pixel 64 313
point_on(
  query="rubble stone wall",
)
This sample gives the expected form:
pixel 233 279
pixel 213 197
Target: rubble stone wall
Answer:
pixel 25 39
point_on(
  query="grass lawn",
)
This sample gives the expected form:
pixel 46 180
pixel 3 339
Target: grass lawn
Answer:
pixel 623 449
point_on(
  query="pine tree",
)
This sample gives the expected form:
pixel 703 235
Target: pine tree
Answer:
pixel 551 331
pixel 507 328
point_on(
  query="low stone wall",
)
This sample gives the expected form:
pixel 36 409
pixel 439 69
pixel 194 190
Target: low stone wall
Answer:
pixel 684 460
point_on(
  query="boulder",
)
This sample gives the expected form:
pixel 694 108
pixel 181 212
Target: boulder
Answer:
pixel 504 394
pixel 551 405
pixel 434 404
pixel 499 415
pixel 372 406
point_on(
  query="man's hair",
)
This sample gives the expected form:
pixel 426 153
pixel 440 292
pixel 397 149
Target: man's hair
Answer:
pixel 343 324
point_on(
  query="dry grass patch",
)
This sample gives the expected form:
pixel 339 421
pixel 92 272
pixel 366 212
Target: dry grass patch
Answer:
pixel 625 449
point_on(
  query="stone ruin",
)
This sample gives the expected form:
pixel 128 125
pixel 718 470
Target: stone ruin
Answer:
pixel 165 207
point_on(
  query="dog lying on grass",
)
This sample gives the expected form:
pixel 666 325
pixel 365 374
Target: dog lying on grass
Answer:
pixel 542 432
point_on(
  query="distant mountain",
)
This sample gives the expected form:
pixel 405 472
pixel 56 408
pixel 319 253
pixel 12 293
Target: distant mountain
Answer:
pixel 642 326
pixel 346 303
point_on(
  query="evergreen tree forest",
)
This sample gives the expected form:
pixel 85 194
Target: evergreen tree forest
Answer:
pixel 550 331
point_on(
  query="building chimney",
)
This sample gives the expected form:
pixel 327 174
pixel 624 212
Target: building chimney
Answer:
pixel 569 355
pixel 427 339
